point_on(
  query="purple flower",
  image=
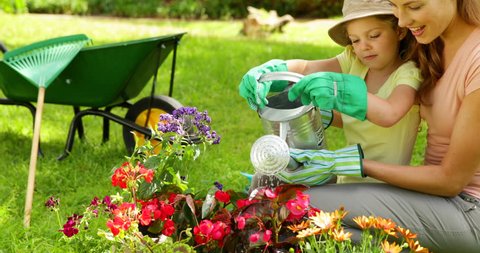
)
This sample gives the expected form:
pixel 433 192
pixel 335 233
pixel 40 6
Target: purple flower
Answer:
pixel 95 201
pixel 52 203
pixel 218 185
pixel 190 124
pixel 70 227
pixel 108 202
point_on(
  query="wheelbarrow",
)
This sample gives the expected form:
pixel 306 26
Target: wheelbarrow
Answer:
pixel 101 78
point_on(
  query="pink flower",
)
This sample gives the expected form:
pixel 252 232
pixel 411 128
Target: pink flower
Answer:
pixel 254 237
pixel 240 222
pixel 219 231
pixel 267 235
pixel 270 194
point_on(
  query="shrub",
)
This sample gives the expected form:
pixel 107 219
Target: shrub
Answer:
pixel 16 6
pixel 188 9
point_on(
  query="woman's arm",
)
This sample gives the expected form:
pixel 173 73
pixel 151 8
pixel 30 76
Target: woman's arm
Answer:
pixel 387 112
pixel 458 166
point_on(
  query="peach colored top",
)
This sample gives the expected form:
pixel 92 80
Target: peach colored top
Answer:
pixel 460 79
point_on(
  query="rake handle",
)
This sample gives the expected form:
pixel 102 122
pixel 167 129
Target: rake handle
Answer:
pixel 33 156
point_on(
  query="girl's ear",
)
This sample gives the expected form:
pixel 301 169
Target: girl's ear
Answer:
pixel 401 32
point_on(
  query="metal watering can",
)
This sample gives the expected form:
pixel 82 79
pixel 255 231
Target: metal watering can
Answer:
pixel 299 125
pixel 287 125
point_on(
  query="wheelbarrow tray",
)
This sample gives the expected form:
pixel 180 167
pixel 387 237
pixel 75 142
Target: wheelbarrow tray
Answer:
pixel 98 76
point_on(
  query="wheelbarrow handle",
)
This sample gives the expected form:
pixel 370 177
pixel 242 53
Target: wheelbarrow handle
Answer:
pixel 3 48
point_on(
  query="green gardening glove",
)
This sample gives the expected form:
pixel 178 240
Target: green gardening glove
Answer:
pixel 255 92
pixel 319 166
pixel 329 90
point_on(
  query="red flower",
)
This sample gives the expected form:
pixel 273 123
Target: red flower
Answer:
pixel 146 173
pixel 121 219
pixel 168 227
pixel 222 196
pixel 172 197
pixel 120 178
pixel 203 231
pixel 245 202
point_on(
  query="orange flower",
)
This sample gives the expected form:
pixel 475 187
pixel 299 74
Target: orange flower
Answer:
pixel 415 247
pixel 308 232
pixel 406 233
pixel 391 248
pixel 364 222
pixel 297 227
pixel 339 214
pixel 387 225
pixel 339 235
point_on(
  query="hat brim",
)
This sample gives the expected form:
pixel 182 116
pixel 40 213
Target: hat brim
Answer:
pixel 338 33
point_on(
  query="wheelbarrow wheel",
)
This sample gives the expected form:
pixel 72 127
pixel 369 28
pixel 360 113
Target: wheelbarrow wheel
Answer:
pixel 138 114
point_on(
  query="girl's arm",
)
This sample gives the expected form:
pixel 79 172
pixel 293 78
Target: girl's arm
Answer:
pixel 387 112
pixel 382 112
pixel 306 67
pixel 458 166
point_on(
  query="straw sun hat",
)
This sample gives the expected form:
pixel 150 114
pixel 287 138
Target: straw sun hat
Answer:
pixel 353 9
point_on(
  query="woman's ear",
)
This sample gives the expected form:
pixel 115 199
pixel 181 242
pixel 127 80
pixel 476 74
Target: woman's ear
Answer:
pixel 401 32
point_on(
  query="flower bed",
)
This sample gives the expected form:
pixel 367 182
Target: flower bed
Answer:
pixel 156 211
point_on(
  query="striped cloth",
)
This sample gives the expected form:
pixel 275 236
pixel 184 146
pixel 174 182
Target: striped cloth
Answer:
pixel 327 117
pixel 319 166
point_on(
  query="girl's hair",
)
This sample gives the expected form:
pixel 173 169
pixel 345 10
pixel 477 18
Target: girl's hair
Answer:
pixel 429 56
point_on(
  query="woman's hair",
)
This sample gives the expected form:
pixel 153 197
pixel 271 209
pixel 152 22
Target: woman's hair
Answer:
pixel 429 56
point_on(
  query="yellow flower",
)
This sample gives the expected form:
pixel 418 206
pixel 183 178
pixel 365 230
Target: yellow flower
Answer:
pixel 323 220
pixel 297 227
pixel 308 232
pixel 364 222
pixel 339 235
pixel 391 248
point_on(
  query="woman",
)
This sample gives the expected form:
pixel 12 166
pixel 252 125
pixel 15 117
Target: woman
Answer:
pixel 440 201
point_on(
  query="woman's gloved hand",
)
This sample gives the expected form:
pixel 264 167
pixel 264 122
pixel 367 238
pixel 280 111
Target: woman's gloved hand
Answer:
pixel 319 166
pixel 330 90
pixel 256 92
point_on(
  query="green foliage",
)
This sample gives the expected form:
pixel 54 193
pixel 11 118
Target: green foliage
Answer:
pixel 79 7
pixel 185 9
pixel 15 6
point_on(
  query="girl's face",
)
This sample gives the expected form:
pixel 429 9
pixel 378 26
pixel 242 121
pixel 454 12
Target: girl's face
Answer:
pixel 426 19
pixel 375 42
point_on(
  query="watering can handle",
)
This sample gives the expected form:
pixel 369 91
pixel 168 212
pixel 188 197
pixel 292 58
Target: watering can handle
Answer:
pixel 281 76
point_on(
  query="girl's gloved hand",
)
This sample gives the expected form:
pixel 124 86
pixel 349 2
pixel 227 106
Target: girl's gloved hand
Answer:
pixel 256 92
pixel 330 90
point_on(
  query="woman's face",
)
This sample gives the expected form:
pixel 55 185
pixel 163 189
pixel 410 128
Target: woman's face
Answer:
pixel 374 41
pixel 426 19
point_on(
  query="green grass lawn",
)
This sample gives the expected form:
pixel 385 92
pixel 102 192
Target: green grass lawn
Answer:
pixel 212 58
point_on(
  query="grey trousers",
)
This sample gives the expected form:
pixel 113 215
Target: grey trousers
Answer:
pixel 441 224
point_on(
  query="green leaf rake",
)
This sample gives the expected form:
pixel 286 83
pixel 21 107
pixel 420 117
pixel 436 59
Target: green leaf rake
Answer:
pixel 40 63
